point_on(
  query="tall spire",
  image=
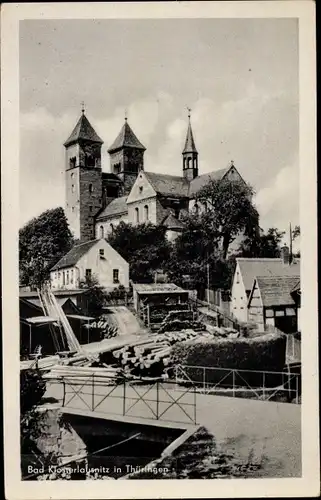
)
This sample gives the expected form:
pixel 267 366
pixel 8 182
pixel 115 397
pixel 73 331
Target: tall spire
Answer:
pixel 189 141
pixel 190 154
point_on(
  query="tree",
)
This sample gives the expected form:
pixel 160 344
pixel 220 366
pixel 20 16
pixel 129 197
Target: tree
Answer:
pixel 296 232
pixel 195 261
pixel 42 242
pixel 32 389
pixel 95 295
pixel 262 244
pixel 229 211
pixel 144 247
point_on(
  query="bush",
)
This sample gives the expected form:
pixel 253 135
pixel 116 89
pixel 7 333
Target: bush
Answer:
pixel 264 353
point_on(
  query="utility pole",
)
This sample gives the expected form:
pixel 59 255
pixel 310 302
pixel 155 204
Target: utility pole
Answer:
pixel 208 277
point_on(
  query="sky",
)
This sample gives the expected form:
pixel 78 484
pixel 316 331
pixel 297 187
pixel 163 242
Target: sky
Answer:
pixel 239 77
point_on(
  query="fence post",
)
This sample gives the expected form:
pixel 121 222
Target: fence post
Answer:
pixel 93 393
pixel 157 399
pixel 297 389
pixel 195 415
pixel 264 386
pixel 64 394
pixel 124 398
pixel 233 376
pixel 204 378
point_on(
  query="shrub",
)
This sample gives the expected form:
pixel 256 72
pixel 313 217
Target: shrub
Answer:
pixel 264 353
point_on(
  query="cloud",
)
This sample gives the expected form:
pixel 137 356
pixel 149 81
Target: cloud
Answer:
pixel 278 203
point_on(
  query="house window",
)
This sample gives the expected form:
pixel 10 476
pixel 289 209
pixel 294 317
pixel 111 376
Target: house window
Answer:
pixel 90 187
pixel 115 275
pixel 101 231
pixel 72 163
pixel 63 278
pixel 101 252
pixel 72 276
pixel 269 313
pixel 88 273
pixel 146 212
pixel 137 215
pixel 73 188
pixel 196 209
pixel 72 175
pixel 67 278
pixel 290 311
pixel 279 313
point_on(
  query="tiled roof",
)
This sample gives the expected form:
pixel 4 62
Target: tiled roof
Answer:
pixel 126 138
pixel 73 256
pixel 83 131
pixel 276 290
pixel 170 185
pixel 189 142
pixel 172 223
pixel 202 180
pixel 250 268
pixel 117 206
pixel 109 176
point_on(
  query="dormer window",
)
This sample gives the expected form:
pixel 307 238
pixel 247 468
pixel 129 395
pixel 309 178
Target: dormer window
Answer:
pixel 90 160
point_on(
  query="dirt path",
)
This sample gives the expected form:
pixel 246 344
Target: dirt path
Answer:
pixel 124 320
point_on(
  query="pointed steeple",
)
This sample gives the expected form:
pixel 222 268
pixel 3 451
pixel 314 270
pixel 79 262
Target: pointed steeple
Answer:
pixel 190 153
pixel 83 131
pixel 126 139
pixel 126 156
pixel 189 141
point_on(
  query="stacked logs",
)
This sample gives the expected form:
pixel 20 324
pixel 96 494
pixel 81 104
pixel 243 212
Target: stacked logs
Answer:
pixel 150 357
pixel 84 374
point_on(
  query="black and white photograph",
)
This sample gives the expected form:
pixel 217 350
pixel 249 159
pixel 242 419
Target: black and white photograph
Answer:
pixel 163 292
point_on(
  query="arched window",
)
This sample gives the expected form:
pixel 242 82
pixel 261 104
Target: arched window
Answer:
pixel 146 212
pixel 196 208
pixel 137 215
pixel 101 232
pixel 188 162
pixel 90 160
pixel 90 187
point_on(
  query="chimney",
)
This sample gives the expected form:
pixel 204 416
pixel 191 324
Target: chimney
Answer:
pixel 285 255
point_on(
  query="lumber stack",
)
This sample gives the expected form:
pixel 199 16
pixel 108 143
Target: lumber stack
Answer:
pixel 151 356
pixel 85 374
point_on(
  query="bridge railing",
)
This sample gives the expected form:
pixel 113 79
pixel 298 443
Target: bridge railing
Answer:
pixel 158 399
pixel 263 385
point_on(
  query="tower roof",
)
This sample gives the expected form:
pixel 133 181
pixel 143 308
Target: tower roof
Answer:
pixel 189 142
pixel 126 138
pixel 83 131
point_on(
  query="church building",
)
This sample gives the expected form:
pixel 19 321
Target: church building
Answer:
pixel 97 201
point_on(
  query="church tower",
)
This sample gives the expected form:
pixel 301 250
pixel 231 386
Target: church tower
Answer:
pixel 190 154
pixel 83 179
pixel 126 157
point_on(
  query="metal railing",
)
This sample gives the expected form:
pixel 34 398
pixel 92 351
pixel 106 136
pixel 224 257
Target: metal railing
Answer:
pixel 152 400
pixel 261 385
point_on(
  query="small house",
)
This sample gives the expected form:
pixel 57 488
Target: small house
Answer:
pixel 95 258
pixel 247 269
pixel 272 302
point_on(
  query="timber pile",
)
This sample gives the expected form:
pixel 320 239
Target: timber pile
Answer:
pixel 151 356
pixel 83 374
